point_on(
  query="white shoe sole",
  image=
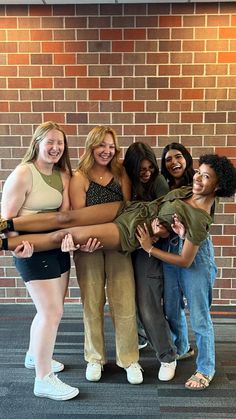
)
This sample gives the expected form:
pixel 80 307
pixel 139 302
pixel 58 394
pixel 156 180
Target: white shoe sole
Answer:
pixel 55 370
pixel 69 396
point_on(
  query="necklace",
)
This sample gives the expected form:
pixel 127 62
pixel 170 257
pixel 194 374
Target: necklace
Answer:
pixel 100 177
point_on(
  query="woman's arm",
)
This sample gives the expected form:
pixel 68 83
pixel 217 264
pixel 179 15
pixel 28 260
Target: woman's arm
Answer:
pixel 184 260
pixel 77 191
pixel 15 191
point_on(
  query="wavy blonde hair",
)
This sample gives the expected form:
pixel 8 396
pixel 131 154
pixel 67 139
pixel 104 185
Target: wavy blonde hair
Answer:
pixel 38 136
pixel 94 138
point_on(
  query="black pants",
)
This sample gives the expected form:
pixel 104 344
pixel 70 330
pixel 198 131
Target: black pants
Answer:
pixel 149 292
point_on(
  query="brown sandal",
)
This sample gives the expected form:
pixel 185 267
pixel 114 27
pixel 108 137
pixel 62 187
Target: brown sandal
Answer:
pixel 203 381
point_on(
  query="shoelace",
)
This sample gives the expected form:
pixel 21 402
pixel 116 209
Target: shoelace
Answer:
pixel 136 366
pixel 58 383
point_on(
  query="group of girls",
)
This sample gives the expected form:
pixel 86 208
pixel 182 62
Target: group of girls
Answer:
pixel 97 191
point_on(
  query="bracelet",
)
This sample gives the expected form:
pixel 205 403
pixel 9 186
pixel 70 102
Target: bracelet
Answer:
pixel 149 251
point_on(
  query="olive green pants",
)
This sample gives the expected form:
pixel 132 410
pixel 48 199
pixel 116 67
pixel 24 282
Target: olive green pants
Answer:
pixel 108 273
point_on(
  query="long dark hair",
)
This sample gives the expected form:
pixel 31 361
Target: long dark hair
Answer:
pixel 135 154
pixel 187 178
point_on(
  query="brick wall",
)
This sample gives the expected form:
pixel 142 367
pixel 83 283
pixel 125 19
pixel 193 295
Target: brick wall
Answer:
pixel 155 72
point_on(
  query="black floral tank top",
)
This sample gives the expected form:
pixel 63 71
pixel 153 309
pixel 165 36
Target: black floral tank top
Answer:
pixel 99 194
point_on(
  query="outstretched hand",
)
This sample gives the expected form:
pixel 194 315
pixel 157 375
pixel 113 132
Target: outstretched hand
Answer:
pixel 24 250
pixel 68 244
pixel 144 238
pixel 178 227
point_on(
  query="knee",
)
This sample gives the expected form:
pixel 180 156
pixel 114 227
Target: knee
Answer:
pixel 54 314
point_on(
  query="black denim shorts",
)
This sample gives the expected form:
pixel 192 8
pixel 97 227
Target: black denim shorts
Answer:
pixel 43 265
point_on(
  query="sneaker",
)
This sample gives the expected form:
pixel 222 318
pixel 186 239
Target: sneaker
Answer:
pixel 29 363
pixel 134 373
pixel 167 371
pixel 93 371
pixel 142 345
pixel 53 388
pixel 186 354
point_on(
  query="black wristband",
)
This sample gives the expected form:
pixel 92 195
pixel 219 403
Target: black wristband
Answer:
pixel 5 244
pixel 10 225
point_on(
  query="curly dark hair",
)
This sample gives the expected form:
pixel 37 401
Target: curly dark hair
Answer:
pixel 225 172
pixel 187 178
pixel 135 154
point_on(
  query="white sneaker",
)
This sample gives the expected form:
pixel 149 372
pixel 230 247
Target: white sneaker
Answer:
pixel 167 371
pixel 29 363
pixel 93 371
pixel 142 345
pixel 53 388
pixel 134 373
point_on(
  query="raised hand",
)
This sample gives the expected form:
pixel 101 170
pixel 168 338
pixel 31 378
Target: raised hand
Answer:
pixel 24 250
pixel 68 244
pixel 178 227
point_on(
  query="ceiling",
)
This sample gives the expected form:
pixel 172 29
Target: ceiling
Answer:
pixel 48 2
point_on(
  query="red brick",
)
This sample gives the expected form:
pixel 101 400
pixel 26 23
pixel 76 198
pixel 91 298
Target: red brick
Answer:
pixel 170 21
pixel 64 9
pixel 28 22
pixel 41 35
pixel 8 71
pixel 52 22
pixel 79 46
pixel 158 58
pixel 88 82
pixel 122 94
pixel 194 21
pixel 18 35
pixel 76 22
pixel 4 107
pixel 227 57
pixel 8 23
pixel 41 83
pixel 52 47
pixel 156 129
pixel 18 83
pixel 20 107
pixel 87 106
pixel 8 47
pixel 111 34
pixel 29 47
pixel 192 117
pixel 18 59
pixel 192 94
pixel 75 70
pixel 99 94
pixel 172 94
pixel 169 70
pixel 133 106
pixel 3 35
pixel 65 34
pixel 65 59
pixel 57 117
pixel 222 241
pixel 35 10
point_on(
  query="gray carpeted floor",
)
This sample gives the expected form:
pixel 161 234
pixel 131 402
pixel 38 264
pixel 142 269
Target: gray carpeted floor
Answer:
pixel 113 397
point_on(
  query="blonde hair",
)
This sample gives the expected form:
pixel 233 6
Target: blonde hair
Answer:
pixel 94 138
pixel 38 136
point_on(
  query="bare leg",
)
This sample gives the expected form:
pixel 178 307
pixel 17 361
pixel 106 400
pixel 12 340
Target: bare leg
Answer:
pixel 48 297
pixel 107 234
pixel 95 214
